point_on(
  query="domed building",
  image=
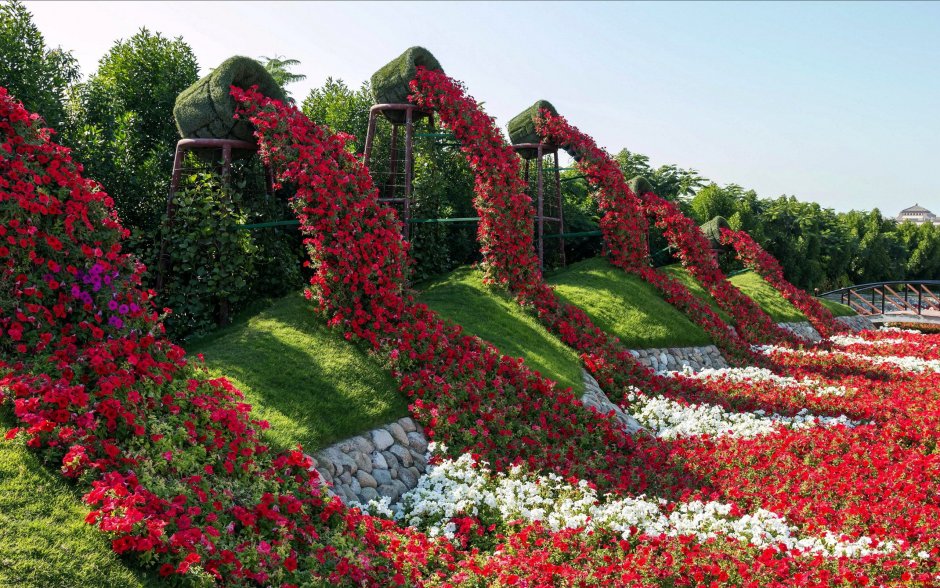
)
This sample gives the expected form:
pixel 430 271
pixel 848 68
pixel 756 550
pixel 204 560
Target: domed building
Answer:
pixel 918 215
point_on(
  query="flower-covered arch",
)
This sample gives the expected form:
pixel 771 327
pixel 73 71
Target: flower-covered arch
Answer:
pixel 625 213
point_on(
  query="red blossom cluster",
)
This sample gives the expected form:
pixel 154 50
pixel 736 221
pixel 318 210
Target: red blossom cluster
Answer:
pixel 755 258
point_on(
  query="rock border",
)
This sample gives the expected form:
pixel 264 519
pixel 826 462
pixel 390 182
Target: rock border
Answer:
pixel 673 359
pixel 387 461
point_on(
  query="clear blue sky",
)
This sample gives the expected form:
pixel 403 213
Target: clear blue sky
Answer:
pixel 833 102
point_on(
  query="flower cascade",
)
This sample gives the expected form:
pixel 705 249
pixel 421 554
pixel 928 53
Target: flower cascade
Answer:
pixel 624 226
pixel 755 258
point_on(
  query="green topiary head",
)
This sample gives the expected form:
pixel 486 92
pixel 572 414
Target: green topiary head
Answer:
pixel 207 110
pixel 712 231
pixel 522 127
pixel 390 85
pixel 640 185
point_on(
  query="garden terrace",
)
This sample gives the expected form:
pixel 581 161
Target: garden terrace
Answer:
pixel 623 305
pixel 310 384
pixel 751 284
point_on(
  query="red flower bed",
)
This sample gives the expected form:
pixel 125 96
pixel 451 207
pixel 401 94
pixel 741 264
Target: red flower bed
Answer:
pixel 755 258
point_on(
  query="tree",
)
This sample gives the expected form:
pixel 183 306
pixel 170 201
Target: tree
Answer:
pixel 37 76
pixel 669 181
pixel 712 201
pixel 123 124
pixel 279 68
pixel 341 108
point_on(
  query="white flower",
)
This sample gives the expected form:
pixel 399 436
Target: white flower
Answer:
pixel 669 419
pixel 458 487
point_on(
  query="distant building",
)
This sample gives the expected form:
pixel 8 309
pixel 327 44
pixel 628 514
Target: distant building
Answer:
pixel 918 215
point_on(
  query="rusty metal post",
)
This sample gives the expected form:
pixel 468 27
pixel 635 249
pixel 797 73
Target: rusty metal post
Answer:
pixel 561 210
pixel 163 259
pixel 540 211
pixel 370 137
pixel 389 192
pixel 409 170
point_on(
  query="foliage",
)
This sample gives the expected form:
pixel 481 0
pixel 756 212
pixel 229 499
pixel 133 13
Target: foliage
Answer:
pixel 217 268
pixel 38 76
pixel 669 181
pixel 341 109
pixel 280 69
pixel 625 306
pixel 123 128
pixel 314 387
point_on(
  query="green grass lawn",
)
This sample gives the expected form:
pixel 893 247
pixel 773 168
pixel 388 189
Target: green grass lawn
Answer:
pixel 625 306
pixel 461 297
pixel 44 540
pixel 313 386
pixel 758 290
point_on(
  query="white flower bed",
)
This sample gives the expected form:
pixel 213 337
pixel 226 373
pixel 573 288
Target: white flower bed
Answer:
pixel 912 364
pixel 464 488
pixel 756 374
pixel 846 340
pixel 669 419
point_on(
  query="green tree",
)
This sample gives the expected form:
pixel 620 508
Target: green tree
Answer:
pixel 881 254
pixel 37 76
pixel 923 245
pixel 341 109
pixel 713 200
pixel 124 130
pixel 280 69
pixel 669 181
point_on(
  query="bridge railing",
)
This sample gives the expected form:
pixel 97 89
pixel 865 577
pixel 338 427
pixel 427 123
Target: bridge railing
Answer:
pixel 915 297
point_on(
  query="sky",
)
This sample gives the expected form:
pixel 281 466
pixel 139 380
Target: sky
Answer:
pixel 837 103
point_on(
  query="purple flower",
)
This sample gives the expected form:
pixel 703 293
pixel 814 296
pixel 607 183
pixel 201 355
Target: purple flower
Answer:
pixel 123 309
pixel 115 322
pixel 112 305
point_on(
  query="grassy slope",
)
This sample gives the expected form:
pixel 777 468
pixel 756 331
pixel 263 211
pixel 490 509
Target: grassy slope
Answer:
pixel 44 540
pixel 625 306
pixel 759 290
pixel 461 298
pixel 314 387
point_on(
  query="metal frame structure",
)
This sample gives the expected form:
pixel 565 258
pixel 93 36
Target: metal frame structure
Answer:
pixel 542 150
pixel 398 187
pixel 226 146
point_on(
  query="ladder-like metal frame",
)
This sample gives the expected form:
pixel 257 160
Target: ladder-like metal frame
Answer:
pixel 412 114
pixel 543 149
pixel 226 146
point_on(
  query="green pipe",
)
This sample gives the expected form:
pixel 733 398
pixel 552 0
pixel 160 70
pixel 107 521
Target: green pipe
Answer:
pixel 468 219
pixel 567 235
pixel 281 223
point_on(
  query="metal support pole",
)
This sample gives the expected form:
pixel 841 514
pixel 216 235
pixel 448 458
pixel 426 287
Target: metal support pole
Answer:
pixel 370 138
pixel 541 210
pixel 561 210
pixel 409 168
pixel 392 165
